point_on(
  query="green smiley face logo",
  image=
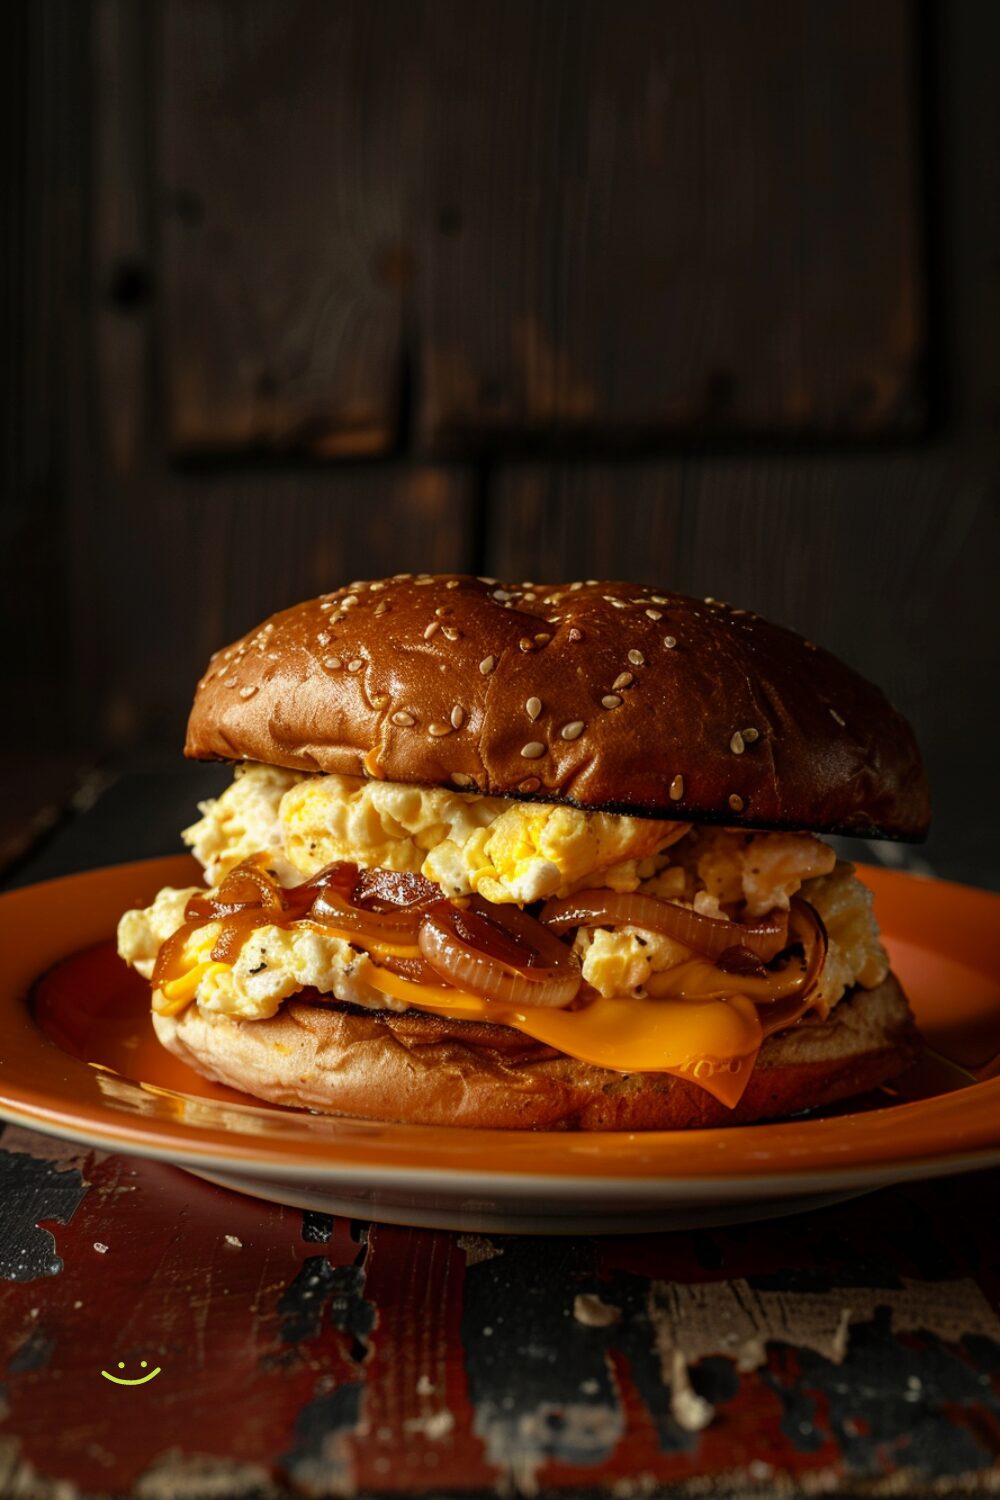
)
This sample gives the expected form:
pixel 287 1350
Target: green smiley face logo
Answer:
pixel 141 1380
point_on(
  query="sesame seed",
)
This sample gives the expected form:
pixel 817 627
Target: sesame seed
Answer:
pixel 654 614
pixel 332 663
pixel 349 602
pixel 460 779
pixel 432 629
pixel 751 734
pixel 611 700
pixel 502 595
pixel 623 680
pixel 403 719
pixel 660 599
pixel 272 656
pixel 327 605
pixel 230 682
pixel 451 633
pixel 532 750
pixel 376 586
pixel 487 664
pixel 592 583
pixel 533 708
pixel 443 611
pixel 437 730
pixel 573 730
pixel 247 692
pixel 619 604
pixel 526 643
pixel 452 583
pixel 355 665
pixel 543 638
pixel 575 586
pixel 381 607
pixel 736 744
pixel 677 789
pixel 837 719
pixel 323 638
pixel 457 716
pixel 529 784
pixel 736 802
pixel 574 635
pixel 421 583
pixel 670 641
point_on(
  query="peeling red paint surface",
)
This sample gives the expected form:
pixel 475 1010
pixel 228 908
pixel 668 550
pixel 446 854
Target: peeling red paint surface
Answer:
pixel 342 1358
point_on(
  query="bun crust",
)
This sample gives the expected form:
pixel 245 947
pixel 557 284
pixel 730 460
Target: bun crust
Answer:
pixel 572 694
pixel 425 1070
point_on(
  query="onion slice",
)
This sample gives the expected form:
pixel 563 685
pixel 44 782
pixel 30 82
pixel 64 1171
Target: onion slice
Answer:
pixel 501 953
pixel 695 979
pixel 246 888
pixel 385 910
pixel 709 936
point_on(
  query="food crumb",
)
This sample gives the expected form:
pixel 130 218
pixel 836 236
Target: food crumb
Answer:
pixel 231 1239
pixel 593 1312
pixel 101 1249
pixel 477 1248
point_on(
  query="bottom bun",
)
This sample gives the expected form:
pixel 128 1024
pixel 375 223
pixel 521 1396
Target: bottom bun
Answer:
pixel 425 1070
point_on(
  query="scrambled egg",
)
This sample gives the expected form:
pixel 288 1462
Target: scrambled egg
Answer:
pixel 507 852
pixel 621 962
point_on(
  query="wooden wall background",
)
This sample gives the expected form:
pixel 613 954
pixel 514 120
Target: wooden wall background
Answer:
pixel 702 292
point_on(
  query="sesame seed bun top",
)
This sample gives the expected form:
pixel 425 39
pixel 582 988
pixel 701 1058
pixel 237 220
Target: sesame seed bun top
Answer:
pixel 606 695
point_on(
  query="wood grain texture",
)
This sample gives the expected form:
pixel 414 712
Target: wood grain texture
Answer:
pixel 576 226
pixel 674 220
pixel 169 564
pixel 45 91
pixel 288 135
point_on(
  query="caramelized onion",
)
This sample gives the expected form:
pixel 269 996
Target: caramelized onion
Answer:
pixel 398 926
pixel 386 909
pixel 709 936
pixel 246 888
pixel 696 979
pixel 499 952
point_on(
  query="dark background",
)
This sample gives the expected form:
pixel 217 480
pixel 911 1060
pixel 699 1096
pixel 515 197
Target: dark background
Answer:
pixel 705 294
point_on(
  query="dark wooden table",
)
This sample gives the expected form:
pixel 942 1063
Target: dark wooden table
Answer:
pixel 850 1351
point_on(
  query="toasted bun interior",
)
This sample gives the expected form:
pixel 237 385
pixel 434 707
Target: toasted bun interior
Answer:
pixel 420 1068
pixel 606 695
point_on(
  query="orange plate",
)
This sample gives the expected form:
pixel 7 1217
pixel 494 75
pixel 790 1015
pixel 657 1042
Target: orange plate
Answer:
pixel 88 1067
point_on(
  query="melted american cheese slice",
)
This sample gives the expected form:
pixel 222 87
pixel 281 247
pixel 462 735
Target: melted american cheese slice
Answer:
pixel 713 1043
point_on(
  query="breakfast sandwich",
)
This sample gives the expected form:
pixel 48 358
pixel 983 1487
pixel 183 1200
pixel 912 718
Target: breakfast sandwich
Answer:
pixel 525 855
